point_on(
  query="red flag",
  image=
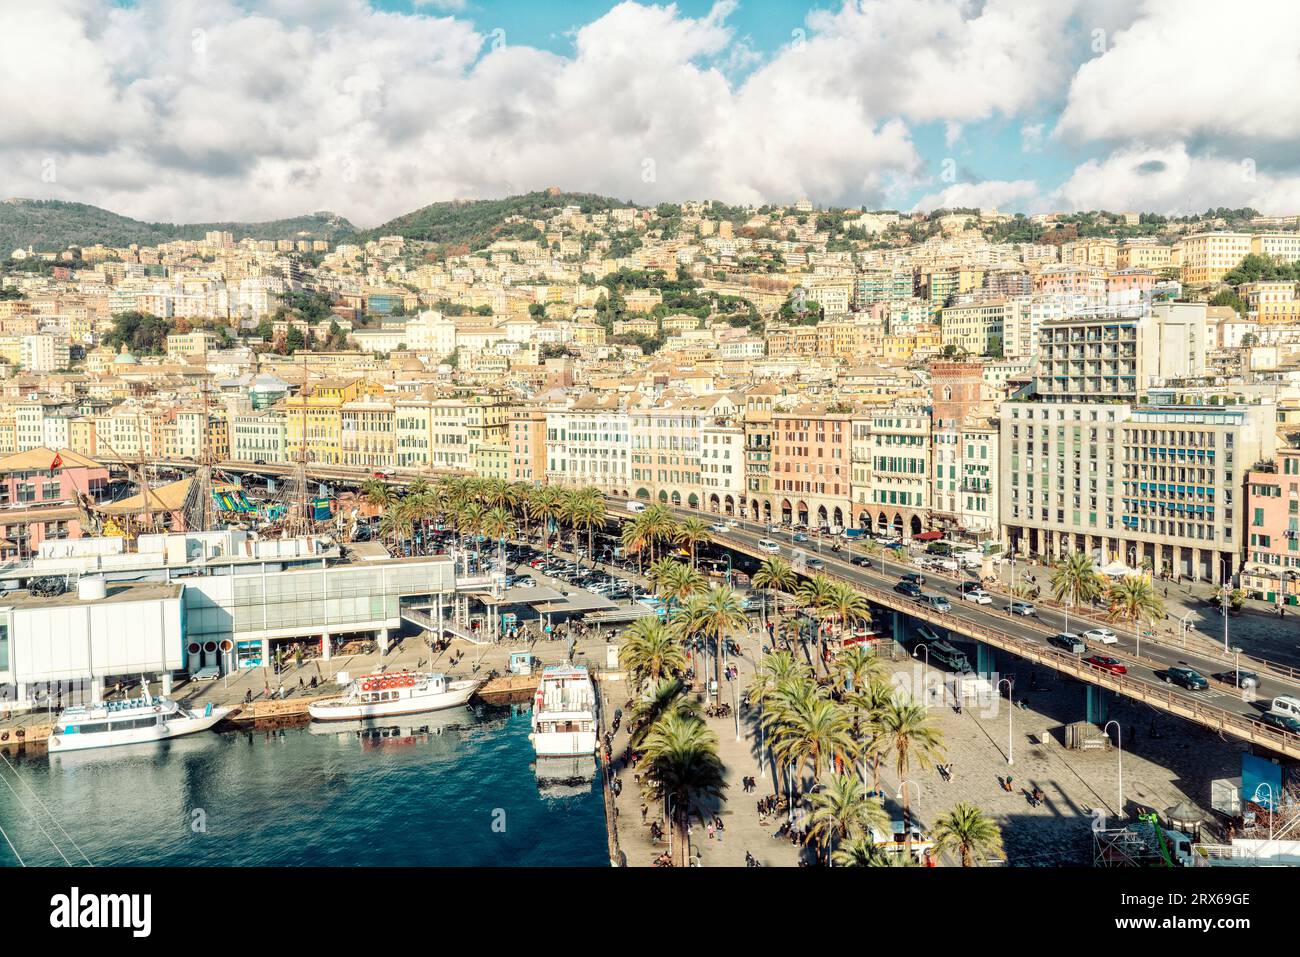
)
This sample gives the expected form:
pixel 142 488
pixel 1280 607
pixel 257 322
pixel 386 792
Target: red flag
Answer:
pixel 57 463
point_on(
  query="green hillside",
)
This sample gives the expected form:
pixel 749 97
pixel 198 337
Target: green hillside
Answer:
pixel 53 225
pixel 475 223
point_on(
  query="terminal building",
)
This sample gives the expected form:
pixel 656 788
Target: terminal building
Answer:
pixel 87 612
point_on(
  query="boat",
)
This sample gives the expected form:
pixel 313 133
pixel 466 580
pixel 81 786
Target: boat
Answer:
pixel 565 777
pixel 393 693
pixel 141 720
pixel 564 712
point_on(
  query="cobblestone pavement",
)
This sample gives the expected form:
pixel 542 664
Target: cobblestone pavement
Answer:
pixel 1164 760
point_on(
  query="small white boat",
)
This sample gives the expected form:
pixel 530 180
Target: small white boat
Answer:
pixel 139 720
pixel 394 693
pixel 564 712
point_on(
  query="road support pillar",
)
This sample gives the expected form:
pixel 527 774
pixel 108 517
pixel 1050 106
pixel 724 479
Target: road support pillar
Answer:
pixel 1097 701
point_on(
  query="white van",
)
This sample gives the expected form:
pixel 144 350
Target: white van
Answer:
pixel 636 506
pixel 767 545
pixel 1285 704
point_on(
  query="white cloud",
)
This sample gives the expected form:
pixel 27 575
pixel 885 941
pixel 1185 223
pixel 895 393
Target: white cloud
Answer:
pixel 1013 196
pixel 1192 68
pixel 1172 180
pixel 252 109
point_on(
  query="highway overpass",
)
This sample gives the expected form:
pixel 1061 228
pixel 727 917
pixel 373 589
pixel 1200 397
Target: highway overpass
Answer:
pixel 1220 707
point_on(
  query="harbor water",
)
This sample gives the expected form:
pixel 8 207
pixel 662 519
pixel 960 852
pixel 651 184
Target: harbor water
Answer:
pixel 454 788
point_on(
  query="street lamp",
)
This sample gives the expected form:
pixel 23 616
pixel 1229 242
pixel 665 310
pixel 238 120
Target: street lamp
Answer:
pixel 1255 798
pixel 1236 655
pixel 1223 605
pixel 1010 715
pixel 1182 628
pixel 1119 735
pixel 925 675
pixel 907 811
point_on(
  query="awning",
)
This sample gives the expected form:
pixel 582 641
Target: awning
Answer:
pixel 927 537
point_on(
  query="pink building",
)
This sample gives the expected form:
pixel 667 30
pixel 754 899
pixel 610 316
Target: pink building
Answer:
pixel 38 497
pixel 811 465
pixel 1272 538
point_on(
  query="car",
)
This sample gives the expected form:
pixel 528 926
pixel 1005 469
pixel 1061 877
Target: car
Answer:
pixel 769 546
pixel 862 561
pixel 816 564
pixel 910 589
pixel 1021 608
pixel 526 581
pixel 732 523
pixel 1190 679
pixel 1238 679
pixel 978 595
pixel 915 577
pixel 718 529
pixel 1283 721
pixel 799 537
pixel 1107 663
pixel 1068 641
pixel 935 602
pixel 1103 636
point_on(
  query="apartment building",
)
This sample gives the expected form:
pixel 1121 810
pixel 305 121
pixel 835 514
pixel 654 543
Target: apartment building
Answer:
pixel 1116 357
pixel 1184 460
pixel 258 436
pixel 1271 570
pixel 368 434
pixel 899 499
pixel 722 466
pixel 974 328
pixel 444 433
pixel 527 445
pixel 812 464
pixel 1208 257
pixel 590 443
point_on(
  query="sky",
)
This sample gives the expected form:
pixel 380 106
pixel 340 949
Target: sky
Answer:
pixel 205 110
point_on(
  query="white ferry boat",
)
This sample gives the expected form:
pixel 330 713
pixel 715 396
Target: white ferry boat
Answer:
pixel 132 721
pixel 394 693
pixel 564 712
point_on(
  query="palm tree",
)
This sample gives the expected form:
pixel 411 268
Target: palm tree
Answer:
pixel 634 541
pixel 692 532
pixel 667 697
pixel 863 853
pixel 814 595
pixel 907 731
pixel 843 811
pixel 776 671
pixel 858 666
pixel 651 649
pixel 715 615
pixel 1132 599
pixel 809 732
pixel 679 582
pixel 498 523
pixel 590 514
pixel 867 705
pixel 548 506
pixel 680 765
pixel 396 525
pixel 659 527
pixel 774 574
pixel 1074 581
pixel 377 493
pixel 658 572
pixel 849 605
pixel 969 831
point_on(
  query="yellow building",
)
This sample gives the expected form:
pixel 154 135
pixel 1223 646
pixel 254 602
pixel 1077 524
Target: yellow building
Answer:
pixel 368 434
pixel 1144 256
pixel 1208 257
